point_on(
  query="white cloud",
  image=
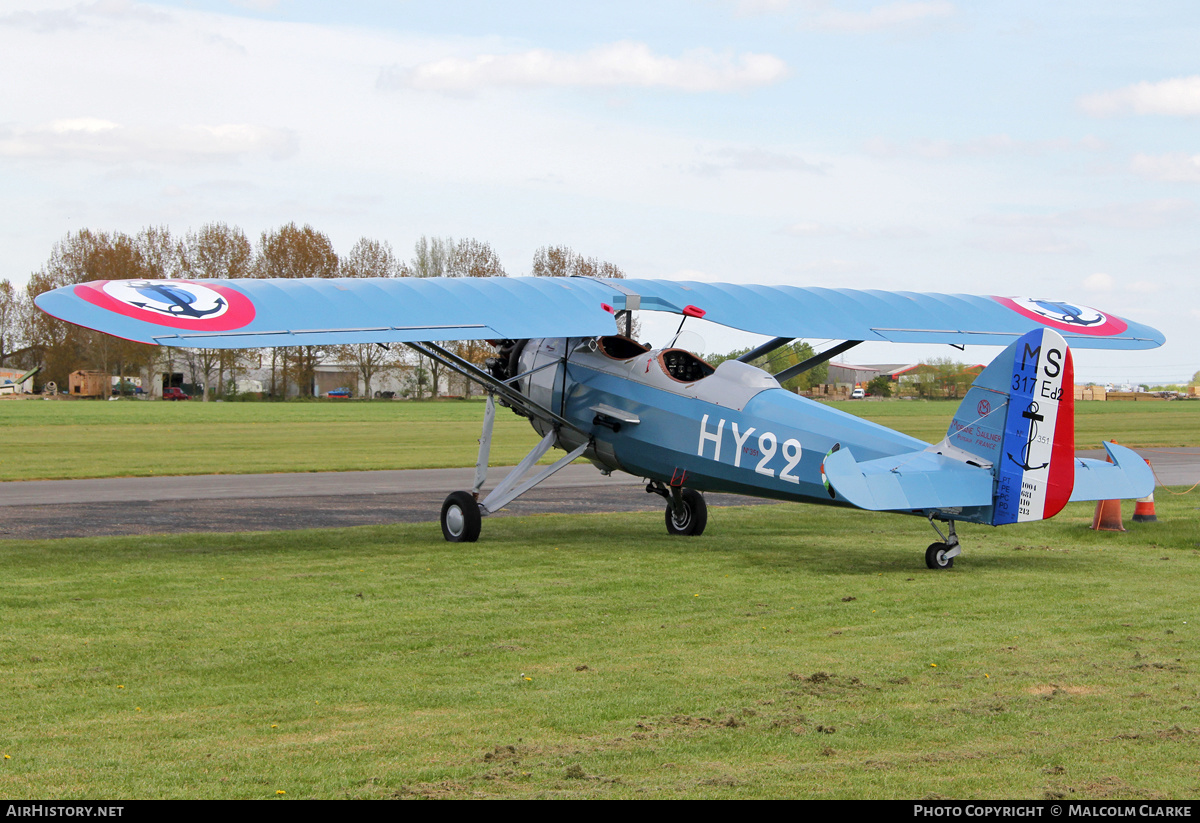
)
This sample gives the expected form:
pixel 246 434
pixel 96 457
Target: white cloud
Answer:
pixel 888 16
pixel 748 7
pixel 834 266
pixel 1146 287
pixel 93 139
pixel 81 15
pixel 257 5
pixel 1147 214
pixel 990 145
pixel 1099 282
pixel 1171 168
pixel 751 159
pixel 90 125
pixel 1179 96
pixel 821 15
pixel 810 228
pixel 624 63
pixel 1031 242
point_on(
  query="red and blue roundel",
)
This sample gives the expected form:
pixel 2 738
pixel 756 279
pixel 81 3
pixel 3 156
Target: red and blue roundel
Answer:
pixel 179 304
pixel 1065 316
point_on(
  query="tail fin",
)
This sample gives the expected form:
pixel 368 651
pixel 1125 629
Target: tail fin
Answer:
pixel 1019 419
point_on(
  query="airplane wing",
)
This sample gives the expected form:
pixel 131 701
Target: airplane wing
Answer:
pixel 898 317
pixel 316 312
pixel 305 312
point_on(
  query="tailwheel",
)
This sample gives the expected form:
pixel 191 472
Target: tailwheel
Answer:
pixel 941 555
pixel 938 556
pixel 461 520
pixel 689 516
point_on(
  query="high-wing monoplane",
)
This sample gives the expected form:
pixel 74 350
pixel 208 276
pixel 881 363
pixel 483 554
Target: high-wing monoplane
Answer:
pixel 664 414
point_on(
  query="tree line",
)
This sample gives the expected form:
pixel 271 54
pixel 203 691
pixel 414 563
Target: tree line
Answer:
pixel 30 338
pixel 782 358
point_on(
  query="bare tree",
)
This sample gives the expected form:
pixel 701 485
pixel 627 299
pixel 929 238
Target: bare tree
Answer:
pixel 372 258
pixel 216 252
pixel 563 261
pixel 160 253
pixel 474 258
pixel 431 257
pixel 553 261
pixel 79 258
pixel 9 319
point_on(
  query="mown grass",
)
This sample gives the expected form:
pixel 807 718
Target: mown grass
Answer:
pixel 1138 424
pixel 791 651
pixel 65 440
pixel 47 440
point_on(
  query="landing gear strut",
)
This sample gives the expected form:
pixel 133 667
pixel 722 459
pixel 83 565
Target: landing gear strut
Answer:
pixel 941 555
pixel 687 513
pixel 462 511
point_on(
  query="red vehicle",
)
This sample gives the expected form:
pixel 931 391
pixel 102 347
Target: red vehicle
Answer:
pixel 174 393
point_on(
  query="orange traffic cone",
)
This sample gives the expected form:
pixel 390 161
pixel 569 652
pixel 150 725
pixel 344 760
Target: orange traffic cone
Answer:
pixel 1143 512
pixel 1108 514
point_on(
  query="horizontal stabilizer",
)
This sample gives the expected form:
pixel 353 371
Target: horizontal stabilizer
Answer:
pixel 917 480
pixel 1127 477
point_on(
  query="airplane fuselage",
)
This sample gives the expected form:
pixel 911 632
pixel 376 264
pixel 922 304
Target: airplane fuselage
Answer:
pixel 732 429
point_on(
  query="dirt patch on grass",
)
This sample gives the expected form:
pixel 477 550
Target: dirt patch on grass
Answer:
pixel 1052 689
pixel 1103 789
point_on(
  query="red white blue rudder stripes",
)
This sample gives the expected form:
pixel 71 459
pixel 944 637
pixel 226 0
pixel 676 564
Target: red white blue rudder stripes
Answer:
pixel 1035 471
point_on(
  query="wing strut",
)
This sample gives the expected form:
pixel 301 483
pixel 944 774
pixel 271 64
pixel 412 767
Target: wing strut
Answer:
pixel 765 348
pixel 799 368
pixel 472 372
pixel 815 360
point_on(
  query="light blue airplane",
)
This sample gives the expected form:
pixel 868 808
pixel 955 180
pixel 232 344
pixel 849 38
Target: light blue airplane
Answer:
pixel 667 416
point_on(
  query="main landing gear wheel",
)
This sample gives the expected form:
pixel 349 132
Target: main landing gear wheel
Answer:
pixel 935 556
pixel 460 518
pixel 693 519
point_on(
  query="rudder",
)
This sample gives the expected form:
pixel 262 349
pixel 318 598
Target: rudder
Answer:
pixel 1019 418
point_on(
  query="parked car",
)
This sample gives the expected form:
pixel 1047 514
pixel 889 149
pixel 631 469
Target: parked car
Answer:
pixel 174 393
pixel 858 394
pixel 342 392
pixel 127 388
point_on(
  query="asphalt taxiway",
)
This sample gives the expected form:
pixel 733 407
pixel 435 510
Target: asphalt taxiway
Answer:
pixel 267 502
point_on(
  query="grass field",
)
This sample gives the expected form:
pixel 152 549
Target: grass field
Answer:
pixel 73 439
pixel 61 440
pixel 789 652
pixel 792 651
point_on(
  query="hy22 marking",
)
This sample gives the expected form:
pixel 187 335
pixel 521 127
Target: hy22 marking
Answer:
pixel 767 446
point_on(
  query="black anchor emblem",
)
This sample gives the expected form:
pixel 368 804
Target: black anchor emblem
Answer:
pixel 1030 414
pixel 180 301
pixel 1070 314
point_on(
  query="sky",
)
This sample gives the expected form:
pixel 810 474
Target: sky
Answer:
pixel 1023 148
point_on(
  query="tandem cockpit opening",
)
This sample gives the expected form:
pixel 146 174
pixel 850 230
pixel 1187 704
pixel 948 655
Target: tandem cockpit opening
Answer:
pixel 679 364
